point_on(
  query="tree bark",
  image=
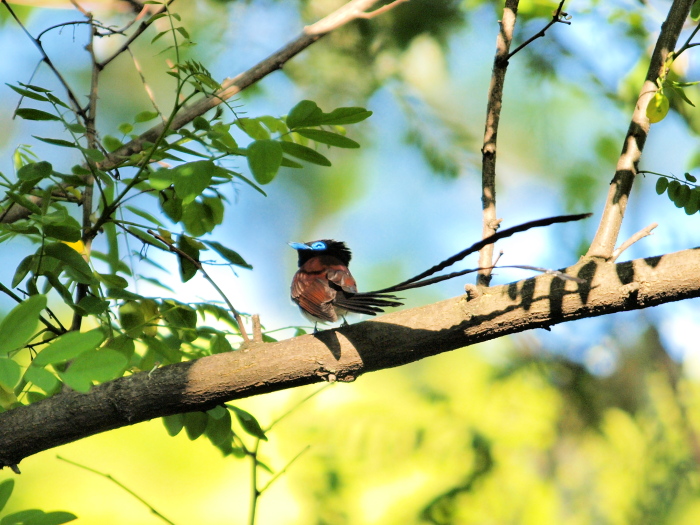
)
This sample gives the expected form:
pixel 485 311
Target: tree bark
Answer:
pixel 344 354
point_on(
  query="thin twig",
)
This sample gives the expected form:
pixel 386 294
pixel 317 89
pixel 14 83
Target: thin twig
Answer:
pixel 490 221
pixel 200 267
pixel 557 17
pixel 4 289
pixel 687 44
pixel 74 100
pixel 283 469
pixel 232 86
pixel 118 484
pixel 140 29
pixel 629 242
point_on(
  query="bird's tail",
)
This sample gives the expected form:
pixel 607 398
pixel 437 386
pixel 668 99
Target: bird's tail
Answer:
pixel 370 303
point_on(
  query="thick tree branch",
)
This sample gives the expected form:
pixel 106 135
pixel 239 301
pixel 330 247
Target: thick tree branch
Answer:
pixel 605 238
pixel 344 354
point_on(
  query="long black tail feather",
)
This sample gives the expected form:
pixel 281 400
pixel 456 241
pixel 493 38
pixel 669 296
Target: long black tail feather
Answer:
pixel 420 280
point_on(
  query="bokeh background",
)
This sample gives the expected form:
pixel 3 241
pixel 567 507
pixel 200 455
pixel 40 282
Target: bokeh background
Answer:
pixel 592 422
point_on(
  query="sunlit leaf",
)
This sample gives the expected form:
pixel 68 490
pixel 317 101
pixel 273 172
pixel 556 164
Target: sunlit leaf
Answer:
pixel 305 113
pixel 68 346
pixel 10 373
pixel 35 171
pixel 20 323
pixel 658 107
pixel 264 159
pixel 82 272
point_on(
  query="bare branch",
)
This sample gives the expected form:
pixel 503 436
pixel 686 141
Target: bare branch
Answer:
pixel 629 242
pixel 489 219
pixel 232 86
pixel 345 353
pixel 558 17
pixel 605 238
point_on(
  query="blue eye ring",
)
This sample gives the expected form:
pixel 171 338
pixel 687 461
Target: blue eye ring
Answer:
pixel 319 245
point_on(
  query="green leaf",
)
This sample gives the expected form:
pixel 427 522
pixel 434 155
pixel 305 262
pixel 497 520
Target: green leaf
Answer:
pixel 201 123
pixel 145 116
pixel 95 365
pixel 51 518
pixel 82 272
pixel 35 171
pixel 23 201
pixel 93 154
pixel 264 159
pixel 219 429
pixel 248 422
pixel 19 325
pixel 76 128
pixel 10 373
pixel 187 268
pixel 192 178
pixel 253 128
pixel 682 196
pixel 144 215
pixel 22 270
pixel 68 346
pixel 690 178
pixel 305 113
pixel 125 128
pixel 289 163
pixel 64 232
pixel 195 424
pixel 6 487
pixel 219 344
pixel 42 378
pixel 174 424
pixel 345 116
pixel 161 179
pixel 112 280
pixel 57 142
pixel 27 93
pixel 695 10
pixel 93 305
pixel 111 143
pixel 693 205
pixel 661 185
pixel 170 204
pixel 228 254
pixel 327 137
pixel 304 153
pixel 35 114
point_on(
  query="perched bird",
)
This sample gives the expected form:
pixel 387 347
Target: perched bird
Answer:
pixel 326 291
pixel 324 288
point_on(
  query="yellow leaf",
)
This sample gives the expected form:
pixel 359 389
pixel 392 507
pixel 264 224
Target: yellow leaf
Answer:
pixel 658 107
pixel 78 246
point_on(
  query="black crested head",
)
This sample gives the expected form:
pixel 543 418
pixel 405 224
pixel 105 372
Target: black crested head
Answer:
pixel 330 247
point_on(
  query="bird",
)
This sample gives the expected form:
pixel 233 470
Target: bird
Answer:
pixel 325 290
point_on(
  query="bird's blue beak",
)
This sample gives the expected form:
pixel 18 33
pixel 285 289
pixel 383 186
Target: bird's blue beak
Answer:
pixel 299 246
